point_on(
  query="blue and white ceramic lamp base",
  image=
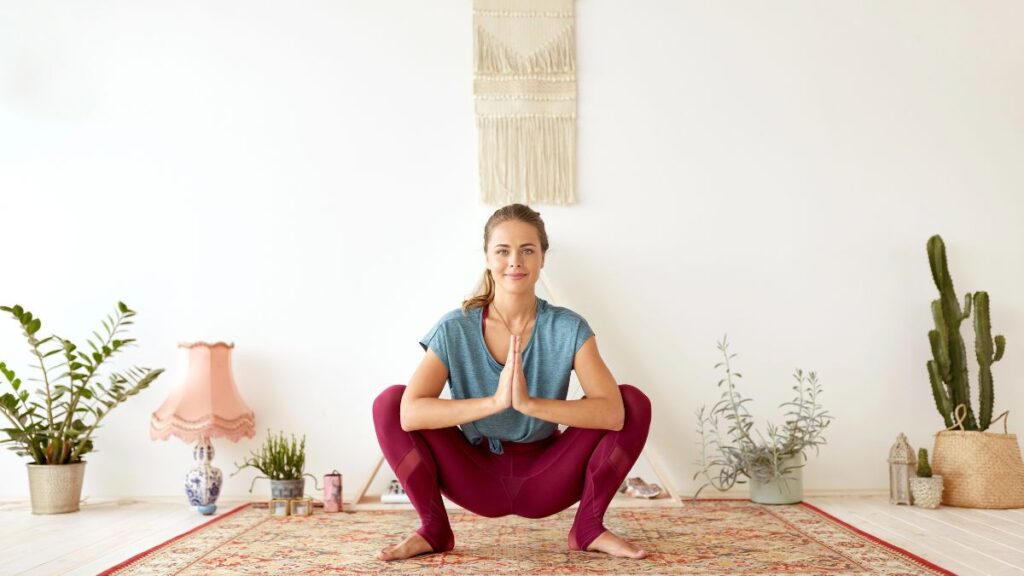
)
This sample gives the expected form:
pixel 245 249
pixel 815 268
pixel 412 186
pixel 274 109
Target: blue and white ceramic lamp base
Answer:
pixel 202 483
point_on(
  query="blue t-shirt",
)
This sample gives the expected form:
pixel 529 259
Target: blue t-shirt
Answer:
pixel 458 340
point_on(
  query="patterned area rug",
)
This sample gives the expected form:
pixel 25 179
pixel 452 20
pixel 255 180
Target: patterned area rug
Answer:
pixel 725 537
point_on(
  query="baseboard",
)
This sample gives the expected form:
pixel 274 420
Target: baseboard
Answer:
pixel 821 493
pixel 180 498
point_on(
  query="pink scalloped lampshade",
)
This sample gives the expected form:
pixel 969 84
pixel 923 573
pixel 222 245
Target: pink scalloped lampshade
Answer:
pixel 205 403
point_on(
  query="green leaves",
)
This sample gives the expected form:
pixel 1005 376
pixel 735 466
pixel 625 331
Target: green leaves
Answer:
pixel 726 458
pixel 278 458
pixel 57 428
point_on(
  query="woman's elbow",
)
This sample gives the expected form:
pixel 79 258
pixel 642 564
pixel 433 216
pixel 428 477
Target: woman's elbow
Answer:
pixel 618 419
pixel 406 419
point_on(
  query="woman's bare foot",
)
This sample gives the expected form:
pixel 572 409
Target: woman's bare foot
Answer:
pixel 412 546
pixel 611 544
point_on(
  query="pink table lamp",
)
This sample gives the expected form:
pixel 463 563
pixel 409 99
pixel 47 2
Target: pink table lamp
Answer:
pixel 205 404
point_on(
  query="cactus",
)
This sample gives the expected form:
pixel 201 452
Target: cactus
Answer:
pixel 923 469
pixel 983 348
pixel 947 369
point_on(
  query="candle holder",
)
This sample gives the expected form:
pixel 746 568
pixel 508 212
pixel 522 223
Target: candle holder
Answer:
pixel 301 506
pixel 279 507
pixel 902 467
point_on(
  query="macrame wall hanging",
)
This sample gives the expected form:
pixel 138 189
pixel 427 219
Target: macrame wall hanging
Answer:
pixel 525 91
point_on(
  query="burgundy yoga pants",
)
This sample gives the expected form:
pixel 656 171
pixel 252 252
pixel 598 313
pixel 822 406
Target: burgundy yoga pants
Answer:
pixel 533 480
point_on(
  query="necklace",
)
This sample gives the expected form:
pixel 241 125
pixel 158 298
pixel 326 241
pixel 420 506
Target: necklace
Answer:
pixel 505 322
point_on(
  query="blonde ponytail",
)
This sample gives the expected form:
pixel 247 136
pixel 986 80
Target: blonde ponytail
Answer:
pixel 484 293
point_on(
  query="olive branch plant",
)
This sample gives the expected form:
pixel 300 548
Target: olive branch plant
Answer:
pixel 57 424
pixel 741 452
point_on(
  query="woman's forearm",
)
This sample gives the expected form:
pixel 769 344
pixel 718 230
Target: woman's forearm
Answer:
pixel 433 413
pixel 598 413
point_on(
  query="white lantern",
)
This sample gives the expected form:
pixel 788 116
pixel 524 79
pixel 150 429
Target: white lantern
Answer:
pixel 902 467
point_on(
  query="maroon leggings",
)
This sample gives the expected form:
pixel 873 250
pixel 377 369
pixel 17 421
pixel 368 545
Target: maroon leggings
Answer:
pixel 533 480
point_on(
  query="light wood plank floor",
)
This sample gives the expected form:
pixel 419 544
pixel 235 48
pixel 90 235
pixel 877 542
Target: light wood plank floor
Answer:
pixel 968 542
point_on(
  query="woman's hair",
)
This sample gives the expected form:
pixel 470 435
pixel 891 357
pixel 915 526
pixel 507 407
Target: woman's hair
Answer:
pixel 522 213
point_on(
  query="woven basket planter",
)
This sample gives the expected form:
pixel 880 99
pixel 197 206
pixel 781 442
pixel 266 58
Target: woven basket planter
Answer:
pixel 55 488
pixel 980 469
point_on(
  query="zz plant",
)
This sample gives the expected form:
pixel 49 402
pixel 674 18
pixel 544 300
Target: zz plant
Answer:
pixel 56 425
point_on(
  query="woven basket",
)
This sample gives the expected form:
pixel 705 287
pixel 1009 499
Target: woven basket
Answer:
pixel 980 469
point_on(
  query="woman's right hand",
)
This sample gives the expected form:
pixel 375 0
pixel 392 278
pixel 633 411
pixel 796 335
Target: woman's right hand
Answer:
pixel 503 395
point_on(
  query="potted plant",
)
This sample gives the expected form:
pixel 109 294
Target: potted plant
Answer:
pixel 282 462
pixel 54 428
pixel 926 488
pixel 980 469
pixel 772 461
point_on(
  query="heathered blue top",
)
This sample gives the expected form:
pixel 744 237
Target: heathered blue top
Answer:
pixel 458 340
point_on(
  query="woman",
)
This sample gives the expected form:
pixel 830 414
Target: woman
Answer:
pixel 509 457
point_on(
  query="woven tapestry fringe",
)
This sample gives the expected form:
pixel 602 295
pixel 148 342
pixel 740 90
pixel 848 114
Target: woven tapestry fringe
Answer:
pixel 527 159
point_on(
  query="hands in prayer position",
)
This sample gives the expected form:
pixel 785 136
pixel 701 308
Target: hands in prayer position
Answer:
pixel 512 391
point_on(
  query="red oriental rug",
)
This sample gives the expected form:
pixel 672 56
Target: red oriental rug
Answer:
pixel 724 537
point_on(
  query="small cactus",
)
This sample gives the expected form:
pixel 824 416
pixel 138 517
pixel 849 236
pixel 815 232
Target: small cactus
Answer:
pixel 923 469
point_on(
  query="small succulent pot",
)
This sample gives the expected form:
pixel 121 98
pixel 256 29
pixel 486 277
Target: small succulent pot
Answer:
pixel 927 492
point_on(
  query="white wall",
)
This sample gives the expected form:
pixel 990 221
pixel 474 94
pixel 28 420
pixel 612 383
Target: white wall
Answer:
pixel 300 178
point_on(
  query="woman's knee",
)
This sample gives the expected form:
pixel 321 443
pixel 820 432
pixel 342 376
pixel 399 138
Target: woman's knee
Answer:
pixel 636 404
pixel 388 402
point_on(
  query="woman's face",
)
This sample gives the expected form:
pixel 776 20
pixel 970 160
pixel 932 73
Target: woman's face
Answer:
pixel 514 256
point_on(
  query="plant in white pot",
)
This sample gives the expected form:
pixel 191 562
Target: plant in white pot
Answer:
pixel 54 428
pixel 926 488
pixel 773 461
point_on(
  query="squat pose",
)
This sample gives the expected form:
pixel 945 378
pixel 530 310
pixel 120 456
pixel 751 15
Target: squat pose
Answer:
pixel 494 448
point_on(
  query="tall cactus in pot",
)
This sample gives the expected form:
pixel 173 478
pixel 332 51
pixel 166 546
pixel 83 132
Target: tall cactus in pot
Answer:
pixel 947 369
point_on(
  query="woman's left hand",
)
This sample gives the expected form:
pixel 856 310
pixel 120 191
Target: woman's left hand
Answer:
pixel 520 392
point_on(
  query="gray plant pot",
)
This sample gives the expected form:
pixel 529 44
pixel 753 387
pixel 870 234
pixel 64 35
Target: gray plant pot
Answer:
pixel 287 488
pixel 55 488
pixel 785 489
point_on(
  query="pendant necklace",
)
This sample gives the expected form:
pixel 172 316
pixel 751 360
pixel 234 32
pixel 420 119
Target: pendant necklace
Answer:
pixel 505 322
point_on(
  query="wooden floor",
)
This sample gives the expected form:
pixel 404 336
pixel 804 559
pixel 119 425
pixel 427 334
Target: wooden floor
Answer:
pixel 968 542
